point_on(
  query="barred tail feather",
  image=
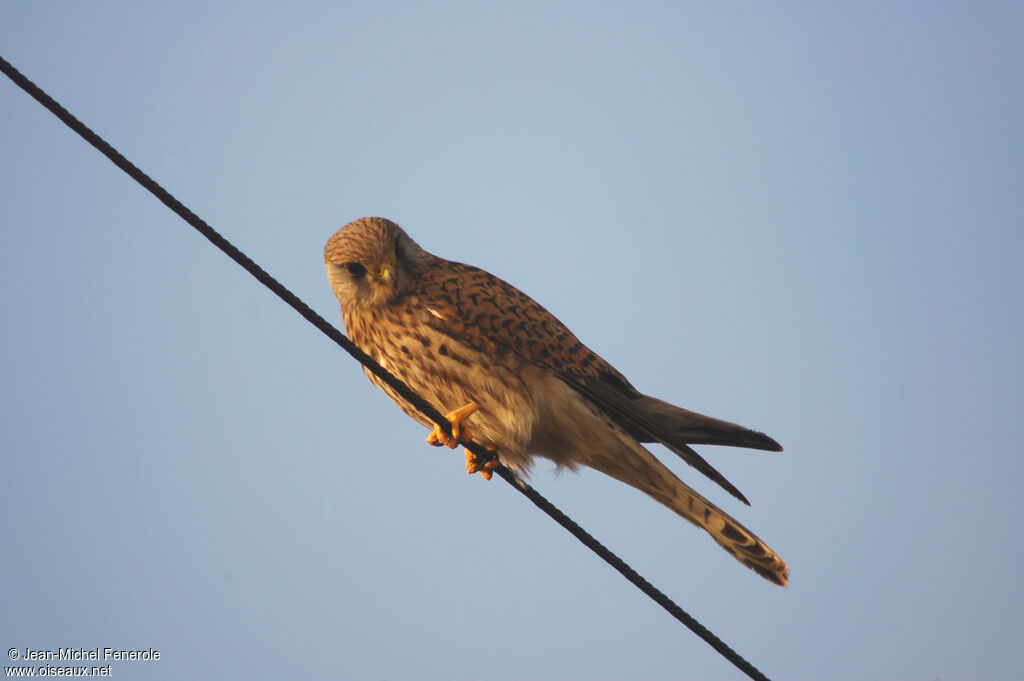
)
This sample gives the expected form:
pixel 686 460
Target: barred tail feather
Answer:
pixel 731 535
pixel 640 469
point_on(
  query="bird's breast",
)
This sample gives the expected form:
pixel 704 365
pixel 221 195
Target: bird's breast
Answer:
pixel 449 372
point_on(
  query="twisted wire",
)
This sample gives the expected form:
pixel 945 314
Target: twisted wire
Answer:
pixel 395 383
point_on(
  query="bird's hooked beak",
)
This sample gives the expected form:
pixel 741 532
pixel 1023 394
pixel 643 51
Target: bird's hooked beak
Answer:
pixel 387 275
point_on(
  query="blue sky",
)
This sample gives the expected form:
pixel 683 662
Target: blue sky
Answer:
pixel 806 219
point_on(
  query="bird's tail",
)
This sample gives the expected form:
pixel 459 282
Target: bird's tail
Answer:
pixel 650 476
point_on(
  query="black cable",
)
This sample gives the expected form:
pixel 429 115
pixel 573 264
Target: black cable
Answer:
pixel 401 388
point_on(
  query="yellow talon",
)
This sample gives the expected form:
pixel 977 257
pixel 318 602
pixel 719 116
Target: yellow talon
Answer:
pixel 462 433
pixel 484 468
pixel 460 429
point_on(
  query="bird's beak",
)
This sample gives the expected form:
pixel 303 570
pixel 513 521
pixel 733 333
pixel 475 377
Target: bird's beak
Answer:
pixel 387 275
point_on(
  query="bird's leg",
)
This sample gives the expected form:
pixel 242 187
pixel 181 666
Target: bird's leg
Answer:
pixel 484 467
pixel 462 433
pixel 460 429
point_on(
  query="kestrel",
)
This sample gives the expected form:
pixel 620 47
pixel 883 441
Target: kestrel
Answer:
pixel 519 382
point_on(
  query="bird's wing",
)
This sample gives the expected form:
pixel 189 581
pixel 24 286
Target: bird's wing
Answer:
pixel 491 315
pixel 484 311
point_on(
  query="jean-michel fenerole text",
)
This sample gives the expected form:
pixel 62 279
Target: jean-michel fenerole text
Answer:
pixel 91 654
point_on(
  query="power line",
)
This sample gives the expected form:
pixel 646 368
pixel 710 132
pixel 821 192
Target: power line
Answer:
pixel 401 388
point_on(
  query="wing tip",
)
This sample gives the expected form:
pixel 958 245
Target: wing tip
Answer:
pixel 768 443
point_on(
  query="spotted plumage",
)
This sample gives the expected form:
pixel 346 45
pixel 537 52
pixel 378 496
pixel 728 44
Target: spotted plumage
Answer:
pixel 458 335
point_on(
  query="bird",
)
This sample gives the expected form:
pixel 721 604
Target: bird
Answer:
pixel 519 382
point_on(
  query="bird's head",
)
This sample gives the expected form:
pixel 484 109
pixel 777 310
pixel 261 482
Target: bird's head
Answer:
pixel 372 262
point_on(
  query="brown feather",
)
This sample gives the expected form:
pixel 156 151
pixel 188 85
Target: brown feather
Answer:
pixel 457 334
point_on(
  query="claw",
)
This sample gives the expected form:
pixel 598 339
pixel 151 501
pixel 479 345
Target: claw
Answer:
pixel 460 429
pixel 484 468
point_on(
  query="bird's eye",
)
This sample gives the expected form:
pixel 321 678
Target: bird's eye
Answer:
pixel 356 269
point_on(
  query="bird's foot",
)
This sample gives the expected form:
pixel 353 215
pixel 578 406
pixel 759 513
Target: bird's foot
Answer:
pixel 475 464
pixel 460 429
